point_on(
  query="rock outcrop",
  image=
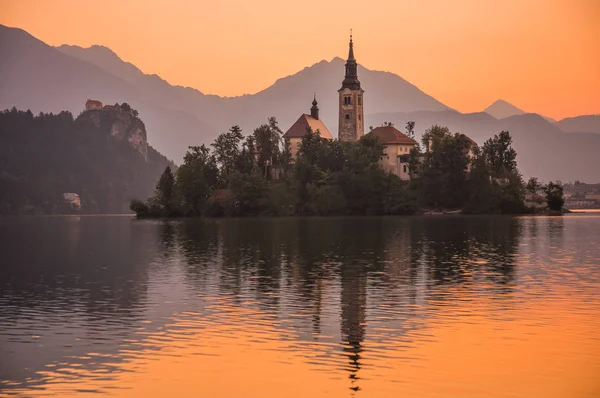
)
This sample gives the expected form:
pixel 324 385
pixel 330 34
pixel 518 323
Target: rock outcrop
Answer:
pixel 122 125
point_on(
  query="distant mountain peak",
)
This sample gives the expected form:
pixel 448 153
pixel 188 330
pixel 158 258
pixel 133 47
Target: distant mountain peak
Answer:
pixel 502 109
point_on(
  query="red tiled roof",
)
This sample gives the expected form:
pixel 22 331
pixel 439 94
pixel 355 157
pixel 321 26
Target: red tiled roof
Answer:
pixel 90 102
pixel 220 194
pixel 298 129
pixel 391 135
pixel 471 142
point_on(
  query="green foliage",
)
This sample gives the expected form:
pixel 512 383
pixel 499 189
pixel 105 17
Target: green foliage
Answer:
pixel 196 179
pixel 139 207
pixel 329 177
pixel 444 176
pixel 500 155
pixel 533 185
pixel 410 129
pixel 554 195
pixel 165 190
pixel 227 149
pixel 327 200
pixel 44 156
pixel 250 193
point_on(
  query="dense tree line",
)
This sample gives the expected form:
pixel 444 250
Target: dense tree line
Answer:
pixel 44 156
pixel 255 175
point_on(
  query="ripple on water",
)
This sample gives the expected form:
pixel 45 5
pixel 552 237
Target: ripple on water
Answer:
pixel 420 306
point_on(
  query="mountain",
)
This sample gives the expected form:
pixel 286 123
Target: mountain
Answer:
pixel 176 116
pixel 36 76
pixel 103 156
pixel 43 78
pixel 580 124
pixel 501 109
pixel 543 149
pixel 286 99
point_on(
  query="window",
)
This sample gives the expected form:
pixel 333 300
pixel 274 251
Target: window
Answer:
pixel 359 100
pixel 405 168
pixel 347 116
pixel 347 100
pixel 359 117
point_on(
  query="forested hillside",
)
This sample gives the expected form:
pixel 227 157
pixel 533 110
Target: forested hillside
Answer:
pixel 94 155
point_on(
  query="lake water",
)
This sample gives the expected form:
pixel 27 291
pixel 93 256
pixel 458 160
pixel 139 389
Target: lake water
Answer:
pixel 332 307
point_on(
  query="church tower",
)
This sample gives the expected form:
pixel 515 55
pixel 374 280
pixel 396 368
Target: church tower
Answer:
pixel 351 122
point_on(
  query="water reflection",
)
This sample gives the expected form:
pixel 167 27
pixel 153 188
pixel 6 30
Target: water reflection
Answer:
pixel 85 297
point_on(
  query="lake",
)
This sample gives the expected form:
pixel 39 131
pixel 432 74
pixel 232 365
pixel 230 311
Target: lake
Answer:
pixel 334 307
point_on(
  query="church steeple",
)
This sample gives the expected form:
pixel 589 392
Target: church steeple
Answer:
pixel 351 123
pixel 314 110
pixel 351 50
pixel 351 79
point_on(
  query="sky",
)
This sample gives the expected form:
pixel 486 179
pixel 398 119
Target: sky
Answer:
pixel 542 56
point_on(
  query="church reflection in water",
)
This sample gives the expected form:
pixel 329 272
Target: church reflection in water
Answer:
pixel 356 272
pixel 322 280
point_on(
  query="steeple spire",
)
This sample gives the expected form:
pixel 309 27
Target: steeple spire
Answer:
pixel 351 78
pixel 314 110
pixel 351 50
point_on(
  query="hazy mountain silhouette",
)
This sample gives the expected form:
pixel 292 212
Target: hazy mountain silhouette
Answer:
pixel 42 78
pixel 501 109
pixel 286 99
pixel 543 149
pixel 580 124
pixel 36 76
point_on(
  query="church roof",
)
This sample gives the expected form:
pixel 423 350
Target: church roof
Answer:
pixel 391 135
pixel 298 129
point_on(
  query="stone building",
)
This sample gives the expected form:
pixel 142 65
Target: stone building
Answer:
pixel 303 125
pixel 351 117
pixel 91 105
pixel 396 150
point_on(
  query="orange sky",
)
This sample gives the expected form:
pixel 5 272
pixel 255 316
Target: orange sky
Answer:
pixel 541 55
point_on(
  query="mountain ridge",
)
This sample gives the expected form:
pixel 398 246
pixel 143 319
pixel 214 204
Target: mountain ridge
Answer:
pixel 177 117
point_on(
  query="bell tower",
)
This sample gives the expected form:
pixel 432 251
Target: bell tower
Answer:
pixel 351 117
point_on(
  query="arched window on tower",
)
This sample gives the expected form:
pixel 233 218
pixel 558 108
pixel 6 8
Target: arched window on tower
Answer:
pixel 359 100
pixel 347 116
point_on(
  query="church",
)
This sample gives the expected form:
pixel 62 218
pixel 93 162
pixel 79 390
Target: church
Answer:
pixel 351 126
pixel 351 117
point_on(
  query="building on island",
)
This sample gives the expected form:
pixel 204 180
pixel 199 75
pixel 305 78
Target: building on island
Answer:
pixel 396 150
pixel 92 105
pixel 535 201
pixel 72 200
pixel 304 124
pixel 351 116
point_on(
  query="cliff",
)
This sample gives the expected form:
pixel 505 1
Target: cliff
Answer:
pixel 103 156
pixel 119 124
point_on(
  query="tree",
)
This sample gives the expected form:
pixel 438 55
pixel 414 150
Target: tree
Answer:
pixel 197 178
pixel 444 176
pixel 500 155
pixel 165 191
pixel 534 185
pixel 482 196
pixel 250 193
pixel 554 195
pixel 433 135
pixel 410 129
pixel 227 151
pixel 268 140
